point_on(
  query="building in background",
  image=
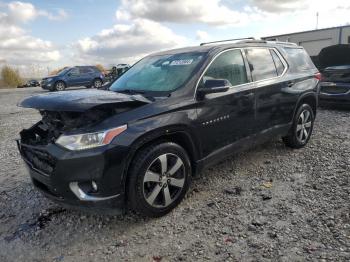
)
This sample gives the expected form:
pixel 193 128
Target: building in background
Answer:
pixel 315 40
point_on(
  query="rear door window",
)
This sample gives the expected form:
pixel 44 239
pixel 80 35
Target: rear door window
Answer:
pixel 230 66
pixel 261 63
pixel 278 63
pixel 86 70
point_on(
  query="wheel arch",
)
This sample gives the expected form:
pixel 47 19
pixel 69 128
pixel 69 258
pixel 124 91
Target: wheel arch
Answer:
pixel 181 136
pixel 96 78
pixel 308 98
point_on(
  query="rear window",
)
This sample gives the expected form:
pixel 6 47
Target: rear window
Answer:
pixel 299 59
pixel 261 63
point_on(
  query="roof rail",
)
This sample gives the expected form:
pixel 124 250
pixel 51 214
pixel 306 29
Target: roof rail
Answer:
pixel 256 41
pixel 282 43
pixel 228 40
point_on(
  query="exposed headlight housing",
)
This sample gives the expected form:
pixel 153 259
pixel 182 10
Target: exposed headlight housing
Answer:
pixel 89 140
pixel 49 79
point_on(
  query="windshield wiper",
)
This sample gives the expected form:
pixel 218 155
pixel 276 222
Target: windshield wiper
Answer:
pixel 131 91
pixel 136 92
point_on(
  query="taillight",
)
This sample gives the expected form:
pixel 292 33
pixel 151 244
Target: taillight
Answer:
pixel 318 76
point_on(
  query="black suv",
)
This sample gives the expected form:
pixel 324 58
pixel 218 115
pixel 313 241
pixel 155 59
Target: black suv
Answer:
pixel 169 116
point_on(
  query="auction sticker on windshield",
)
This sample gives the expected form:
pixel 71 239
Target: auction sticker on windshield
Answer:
pixel 181 62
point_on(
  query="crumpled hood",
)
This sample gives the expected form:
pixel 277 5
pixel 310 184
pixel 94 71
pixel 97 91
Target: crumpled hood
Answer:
pixel 79 100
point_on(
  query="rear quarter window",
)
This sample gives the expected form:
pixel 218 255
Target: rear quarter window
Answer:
pixel 300 61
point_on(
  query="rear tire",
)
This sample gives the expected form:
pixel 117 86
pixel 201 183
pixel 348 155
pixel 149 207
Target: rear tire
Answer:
pixel 97 83
pixel 159 178
pixel 301 130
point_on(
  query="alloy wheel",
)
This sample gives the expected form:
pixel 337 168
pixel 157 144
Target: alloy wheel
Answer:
pixel 304 126
pixel 97 83
pixel 164 180
pixel 59 86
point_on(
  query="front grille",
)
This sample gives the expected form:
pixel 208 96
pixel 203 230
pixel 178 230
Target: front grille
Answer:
pixel 38 159
pixel 334 89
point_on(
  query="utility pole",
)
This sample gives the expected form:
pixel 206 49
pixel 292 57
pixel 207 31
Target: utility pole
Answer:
pixel 317 20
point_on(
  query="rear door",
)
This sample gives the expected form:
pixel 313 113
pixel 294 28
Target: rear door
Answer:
pixel 224 118
pixel 267 67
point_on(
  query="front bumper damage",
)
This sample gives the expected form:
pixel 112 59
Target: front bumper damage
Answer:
pixel 86 179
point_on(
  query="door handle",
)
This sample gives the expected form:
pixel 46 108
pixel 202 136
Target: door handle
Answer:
pixel 290 83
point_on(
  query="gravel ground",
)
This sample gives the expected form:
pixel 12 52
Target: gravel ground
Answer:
pixel 270 203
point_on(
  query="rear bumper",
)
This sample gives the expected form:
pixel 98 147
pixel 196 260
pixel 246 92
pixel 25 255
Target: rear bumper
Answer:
pixel 334 93
pixel 334 99
pixel 66 177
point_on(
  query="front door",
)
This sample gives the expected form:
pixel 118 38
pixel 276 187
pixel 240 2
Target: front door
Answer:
pixel 225 118
pixel 73 77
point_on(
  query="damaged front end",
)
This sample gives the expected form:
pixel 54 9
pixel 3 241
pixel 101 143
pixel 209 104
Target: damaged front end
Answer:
pixel 53 124
pixel 67 112
pixel 54 148
pixel 34 141
pixel 70 111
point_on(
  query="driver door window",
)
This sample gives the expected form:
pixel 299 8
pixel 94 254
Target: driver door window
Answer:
pixel 230 66
pixel 74 72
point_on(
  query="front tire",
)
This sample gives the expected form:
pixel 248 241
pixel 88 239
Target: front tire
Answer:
pixel 159 178
pixel 301 130
pixel 60 86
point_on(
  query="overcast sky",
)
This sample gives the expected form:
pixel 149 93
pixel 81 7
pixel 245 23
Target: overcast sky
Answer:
pixel 53 33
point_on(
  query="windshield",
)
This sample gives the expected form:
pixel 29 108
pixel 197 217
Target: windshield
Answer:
pixel 163 73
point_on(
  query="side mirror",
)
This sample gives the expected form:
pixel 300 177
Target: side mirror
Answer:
pixel 214 86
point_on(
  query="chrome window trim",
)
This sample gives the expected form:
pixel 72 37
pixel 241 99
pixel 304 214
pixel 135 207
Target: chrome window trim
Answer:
pixel 284 62
pixel 286 66
pixel 252 83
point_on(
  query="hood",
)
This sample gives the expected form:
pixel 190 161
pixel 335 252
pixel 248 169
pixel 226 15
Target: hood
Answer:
pixel 80 100
pixel 334 55
pixel 44 78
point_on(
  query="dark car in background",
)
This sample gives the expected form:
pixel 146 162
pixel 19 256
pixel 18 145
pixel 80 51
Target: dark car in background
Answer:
pixel 89 76
pixel 335 84
pixel 116 72
pixel 165 119
pixel 30 83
